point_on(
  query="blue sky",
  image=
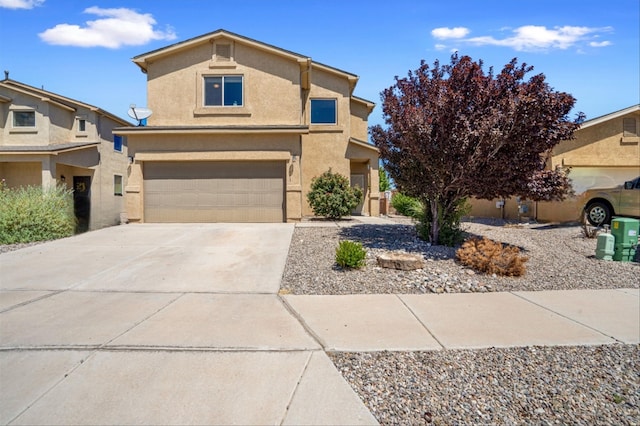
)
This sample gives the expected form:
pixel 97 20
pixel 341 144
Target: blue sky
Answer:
pixel 83 50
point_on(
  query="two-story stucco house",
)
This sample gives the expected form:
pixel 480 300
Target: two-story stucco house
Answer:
pixel 239 129
pixel 604 153
pixel 47 139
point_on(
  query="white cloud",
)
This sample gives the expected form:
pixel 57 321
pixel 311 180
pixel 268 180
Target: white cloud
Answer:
pixel 440 46
pixel 445 33
pixel 115 28
pixel 20 4
pixel 600 43
pixel 534 37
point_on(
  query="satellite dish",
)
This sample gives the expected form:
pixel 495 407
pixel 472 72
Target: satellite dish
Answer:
pixel 139 113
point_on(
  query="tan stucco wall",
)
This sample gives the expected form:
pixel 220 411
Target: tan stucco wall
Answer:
pixel 20 174
pixel 359 121
pixel 271 89
pixel 599 145
pixel 37 136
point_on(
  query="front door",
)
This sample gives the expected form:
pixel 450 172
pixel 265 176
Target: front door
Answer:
pixel 82 202
pixel 358 180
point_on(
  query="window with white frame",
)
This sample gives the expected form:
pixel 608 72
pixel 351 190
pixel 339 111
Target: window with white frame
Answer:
pixel 24 118
pixel 324 111
pixel 226 90
pixel 117 185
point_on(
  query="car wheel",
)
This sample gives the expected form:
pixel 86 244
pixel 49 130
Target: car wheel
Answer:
pixel 598 213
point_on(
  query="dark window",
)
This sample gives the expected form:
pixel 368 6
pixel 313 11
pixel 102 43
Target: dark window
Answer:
pixel 82 125
pixel 24 119
pixel 323 111
pixel 223 91
pixel 117 143
pixel 117 185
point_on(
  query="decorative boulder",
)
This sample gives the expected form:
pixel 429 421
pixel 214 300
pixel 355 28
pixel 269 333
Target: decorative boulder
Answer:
pixel 402 261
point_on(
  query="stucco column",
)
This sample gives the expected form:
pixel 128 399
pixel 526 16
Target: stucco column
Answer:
pixel 48 172
pixel 294 190
pixel 133 193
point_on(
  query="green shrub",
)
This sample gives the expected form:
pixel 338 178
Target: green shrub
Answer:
pixel 332 196
pixel 383 180
pixel 350 254
pixel 32 213
pixel 407 206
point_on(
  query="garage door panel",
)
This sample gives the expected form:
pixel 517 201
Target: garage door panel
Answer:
pixel 214 192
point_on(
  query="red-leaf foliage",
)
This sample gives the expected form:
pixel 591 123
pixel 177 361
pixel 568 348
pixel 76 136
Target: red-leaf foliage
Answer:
pixel 456 131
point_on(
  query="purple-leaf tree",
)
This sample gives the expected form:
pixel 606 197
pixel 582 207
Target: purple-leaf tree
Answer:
pixel 456 131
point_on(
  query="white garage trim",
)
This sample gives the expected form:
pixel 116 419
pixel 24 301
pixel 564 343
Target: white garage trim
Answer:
pixel 214 156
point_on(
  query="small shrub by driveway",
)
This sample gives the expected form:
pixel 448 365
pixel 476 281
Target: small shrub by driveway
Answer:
pixel 31 213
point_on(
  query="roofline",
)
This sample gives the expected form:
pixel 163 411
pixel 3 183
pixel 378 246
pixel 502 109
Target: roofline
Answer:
pixel 363 144
pixel 46 149
pixel 142 59
pixel 610 116
pixel 172 130
pixel 60 100
pixel 367 103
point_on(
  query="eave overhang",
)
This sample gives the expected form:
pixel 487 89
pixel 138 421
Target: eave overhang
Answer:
pixel 610 116
pixel 210 130
pixel 63 102
pixel 47 149
pixel 363 144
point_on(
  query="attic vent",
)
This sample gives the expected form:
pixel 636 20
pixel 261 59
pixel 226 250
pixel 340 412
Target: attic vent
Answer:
pixel 223 52
pixel 629 128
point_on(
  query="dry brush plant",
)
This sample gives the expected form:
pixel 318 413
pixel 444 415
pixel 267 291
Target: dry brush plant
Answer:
pixel 492 257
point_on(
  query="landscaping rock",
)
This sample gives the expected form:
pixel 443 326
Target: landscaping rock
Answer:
pixel 402 261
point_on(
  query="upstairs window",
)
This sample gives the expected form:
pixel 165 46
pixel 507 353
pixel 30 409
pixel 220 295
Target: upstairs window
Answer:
pixel 82 125
pixel 323 111
pixel 223 90
pixel 24 119
pixel 117 143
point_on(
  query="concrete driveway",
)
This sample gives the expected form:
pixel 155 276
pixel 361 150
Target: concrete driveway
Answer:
pixel 161 324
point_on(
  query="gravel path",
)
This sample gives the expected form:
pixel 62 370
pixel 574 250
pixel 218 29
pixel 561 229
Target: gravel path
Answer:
pixel 587 385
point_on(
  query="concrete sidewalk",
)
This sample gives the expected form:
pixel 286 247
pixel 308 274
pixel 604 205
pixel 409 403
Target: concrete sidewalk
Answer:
pixel 182 324
pixel 470 321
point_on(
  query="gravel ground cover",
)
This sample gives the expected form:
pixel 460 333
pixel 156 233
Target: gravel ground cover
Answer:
pixel 584 385
pixel 560 258
pixel 533 385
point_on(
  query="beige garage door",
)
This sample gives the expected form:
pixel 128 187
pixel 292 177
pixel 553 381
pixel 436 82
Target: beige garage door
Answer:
pixel 199 191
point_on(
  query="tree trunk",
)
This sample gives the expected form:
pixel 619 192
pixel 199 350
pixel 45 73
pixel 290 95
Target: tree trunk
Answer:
pixel 435 222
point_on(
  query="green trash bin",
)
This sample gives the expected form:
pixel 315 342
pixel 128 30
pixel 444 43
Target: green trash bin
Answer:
pixel 625 231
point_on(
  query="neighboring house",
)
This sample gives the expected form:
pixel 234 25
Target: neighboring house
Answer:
pixel 239 129
pixel 47 139
pixel 605 153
